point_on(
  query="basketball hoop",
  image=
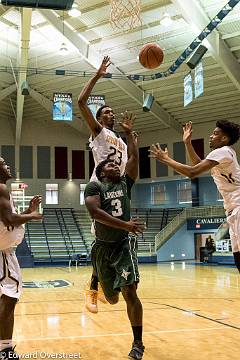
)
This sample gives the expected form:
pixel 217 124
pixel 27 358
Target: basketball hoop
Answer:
pixel 125 14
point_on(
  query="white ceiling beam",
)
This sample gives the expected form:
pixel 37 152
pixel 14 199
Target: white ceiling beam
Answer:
pixel 26 17
pixel 92 57
pixel 4 11
pixel 235 48
pixel 47 104
pixel 232 35
pixel 81 44
pixel 195 15
pixel 7 91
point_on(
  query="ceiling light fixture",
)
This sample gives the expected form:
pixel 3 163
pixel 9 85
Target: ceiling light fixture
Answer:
pixel 166 19
pixel 63 49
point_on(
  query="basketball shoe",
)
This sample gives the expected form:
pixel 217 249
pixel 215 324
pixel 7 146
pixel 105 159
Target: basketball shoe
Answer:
pixel 137 350
pixel 91 301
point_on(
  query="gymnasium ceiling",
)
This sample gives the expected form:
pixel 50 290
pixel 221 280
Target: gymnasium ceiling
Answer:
pixel 90 36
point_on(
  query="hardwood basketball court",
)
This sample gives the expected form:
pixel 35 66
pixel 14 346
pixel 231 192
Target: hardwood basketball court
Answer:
pixel 190 312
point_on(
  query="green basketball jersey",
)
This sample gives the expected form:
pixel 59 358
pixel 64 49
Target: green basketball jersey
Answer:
pixel 115 200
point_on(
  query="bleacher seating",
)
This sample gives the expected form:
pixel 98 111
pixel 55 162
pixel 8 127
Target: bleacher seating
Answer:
pixel 84 222
pixel 156 220
pixel 56 238
pixel 65 232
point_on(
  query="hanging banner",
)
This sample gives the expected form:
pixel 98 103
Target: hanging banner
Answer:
pixel 62 106
pixel 95 102
pixel 198 80
pixel 188 91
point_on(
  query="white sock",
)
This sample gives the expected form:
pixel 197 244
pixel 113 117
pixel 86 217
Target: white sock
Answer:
pixel 4 344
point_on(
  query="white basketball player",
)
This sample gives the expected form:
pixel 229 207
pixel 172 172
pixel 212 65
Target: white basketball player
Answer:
pixel 105 143
pixel 11 235
pixel 225 170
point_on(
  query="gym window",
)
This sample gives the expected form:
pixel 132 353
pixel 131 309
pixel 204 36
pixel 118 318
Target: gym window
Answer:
pixel 51 194
pixel 184 192
pixel 158 194
pixel 82 189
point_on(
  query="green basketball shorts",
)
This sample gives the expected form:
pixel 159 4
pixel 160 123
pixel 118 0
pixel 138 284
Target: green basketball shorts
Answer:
pixel 115 264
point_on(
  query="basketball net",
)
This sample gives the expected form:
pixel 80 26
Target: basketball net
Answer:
pixel 125 14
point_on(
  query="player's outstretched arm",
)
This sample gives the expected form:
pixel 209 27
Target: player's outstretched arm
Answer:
pixel 93 205
pixel 190 171
pixel 93 124
pixel 187 139
pixel 133 158
pixel 6 214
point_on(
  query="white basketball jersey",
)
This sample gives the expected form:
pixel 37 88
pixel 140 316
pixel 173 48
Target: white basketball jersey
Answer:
pixel 107 145
pixel 10 237
pixel 226 175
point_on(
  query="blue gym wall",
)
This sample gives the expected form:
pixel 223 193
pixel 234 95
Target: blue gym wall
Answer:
pixel 182 242
pixel 141 194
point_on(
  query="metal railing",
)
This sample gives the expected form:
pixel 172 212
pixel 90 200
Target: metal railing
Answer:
pixel 179 220
pixel 79 229
pixel 46 238
pixel 64 232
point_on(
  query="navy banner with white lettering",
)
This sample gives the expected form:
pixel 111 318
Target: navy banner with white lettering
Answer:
pixel 205 223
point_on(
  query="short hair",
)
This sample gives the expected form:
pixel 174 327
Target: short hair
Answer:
pixel 100 167
pixel 231 129
pixel 98 113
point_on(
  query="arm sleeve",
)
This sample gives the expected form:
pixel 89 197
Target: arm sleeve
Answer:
pixel 92 189
pixel 221 155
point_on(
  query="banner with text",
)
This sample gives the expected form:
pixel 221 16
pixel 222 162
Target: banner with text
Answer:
pixel 188 91
pixel 95 102
pixel 62 106
pixel 198 80
pixel 205 223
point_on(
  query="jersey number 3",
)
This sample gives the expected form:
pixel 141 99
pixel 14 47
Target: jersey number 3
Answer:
pixel 117 207
pixel 115 155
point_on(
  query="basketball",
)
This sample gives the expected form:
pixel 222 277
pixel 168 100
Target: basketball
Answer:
pixel 151 56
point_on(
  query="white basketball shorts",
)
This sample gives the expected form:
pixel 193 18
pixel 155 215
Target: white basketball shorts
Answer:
pixel 10 274
pixel 234 228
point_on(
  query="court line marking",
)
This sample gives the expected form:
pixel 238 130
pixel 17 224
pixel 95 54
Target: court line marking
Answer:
pixel 120 300
pixel 84 311
pixel 119 334
pixel 200 282
pixel 203 317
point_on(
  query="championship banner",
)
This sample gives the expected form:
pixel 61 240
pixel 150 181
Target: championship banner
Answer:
pixel 198 81
pixel 188 91
pixel 62 106
pixel 95 102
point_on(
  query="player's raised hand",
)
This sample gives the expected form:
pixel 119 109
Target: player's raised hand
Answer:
pixel 158 153
pixel 104 66
pixel 187 132
pixel 34 203
pixel 127 122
